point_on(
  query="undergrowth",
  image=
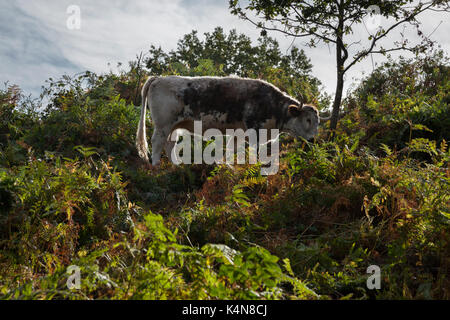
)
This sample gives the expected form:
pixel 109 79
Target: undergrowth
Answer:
pixel 73 192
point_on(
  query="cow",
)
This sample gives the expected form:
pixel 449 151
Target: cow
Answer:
pixel 175 102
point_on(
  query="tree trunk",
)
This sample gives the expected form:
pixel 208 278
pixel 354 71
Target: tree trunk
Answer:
pixel 341 56
pixel 337 99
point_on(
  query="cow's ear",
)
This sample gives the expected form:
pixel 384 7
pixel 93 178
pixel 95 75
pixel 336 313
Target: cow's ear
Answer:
pixel 294 110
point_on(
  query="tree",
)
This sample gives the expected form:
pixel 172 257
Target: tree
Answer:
pixel 221 54
pixel 332 22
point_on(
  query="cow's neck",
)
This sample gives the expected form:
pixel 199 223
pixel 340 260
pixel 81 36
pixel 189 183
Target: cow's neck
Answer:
pixel 284 117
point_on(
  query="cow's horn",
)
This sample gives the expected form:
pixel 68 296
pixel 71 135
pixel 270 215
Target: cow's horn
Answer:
pixel 301 101
pixel 323 119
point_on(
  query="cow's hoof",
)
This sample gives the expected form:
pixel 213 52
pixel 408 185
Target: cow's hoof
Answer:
pixel 153 167
pixel 148 166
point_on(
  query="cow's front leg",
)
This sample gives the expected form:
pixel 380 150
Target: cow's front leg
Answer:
pixel 168 149
pixel 158 140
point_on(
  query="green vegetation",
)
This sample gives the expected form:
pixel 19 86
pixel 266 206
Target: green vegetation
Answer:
pixel 73 191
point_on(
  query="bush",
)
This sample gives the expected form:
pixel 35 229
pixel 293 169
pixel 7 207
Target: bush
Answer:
pixel 404 99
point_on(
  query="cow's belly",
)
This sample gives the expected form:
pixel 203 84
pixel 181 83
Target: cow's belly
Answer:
pixel 209 121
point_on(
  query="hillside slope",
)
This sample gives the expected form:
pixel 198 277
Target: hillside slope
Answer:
pixel 73 191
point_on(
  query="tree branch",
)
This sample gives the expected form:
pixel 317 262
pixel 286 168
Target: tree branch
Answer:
pixel 375 39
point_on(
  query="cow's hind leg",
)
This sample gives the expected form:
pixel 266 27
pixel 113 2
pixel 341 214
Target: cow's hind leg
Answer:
pixel 159 139
pixel 168 149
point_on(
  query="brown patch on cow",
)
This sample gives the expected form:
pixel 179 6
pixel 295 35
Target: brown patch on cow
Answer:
pixel 269 124
pixel 185 124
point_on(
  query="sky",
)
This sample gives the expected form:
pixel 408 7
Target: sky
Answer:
pixel 36 42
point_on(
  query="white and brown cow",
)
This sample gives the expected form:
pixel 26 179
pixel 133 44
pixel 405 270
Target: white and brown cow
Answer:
pixel 224 103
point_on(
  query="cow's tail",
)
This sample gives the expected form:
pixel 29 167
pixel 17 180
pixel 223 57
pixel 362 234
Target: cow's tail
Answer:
pixel 141 137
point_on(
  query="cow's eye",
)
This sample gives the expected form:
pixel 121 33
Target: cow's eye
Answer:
pixel 309 121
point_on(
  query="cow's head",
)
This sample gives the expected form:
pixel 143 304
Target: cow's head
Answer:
pixel 303 121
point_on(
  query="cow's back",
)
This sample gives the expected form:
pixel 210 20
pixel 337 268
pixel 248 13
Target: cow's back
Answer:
pixel 220 101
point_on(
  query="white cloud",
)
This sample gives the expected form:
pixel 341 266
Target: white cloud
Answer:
pixel 41 46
